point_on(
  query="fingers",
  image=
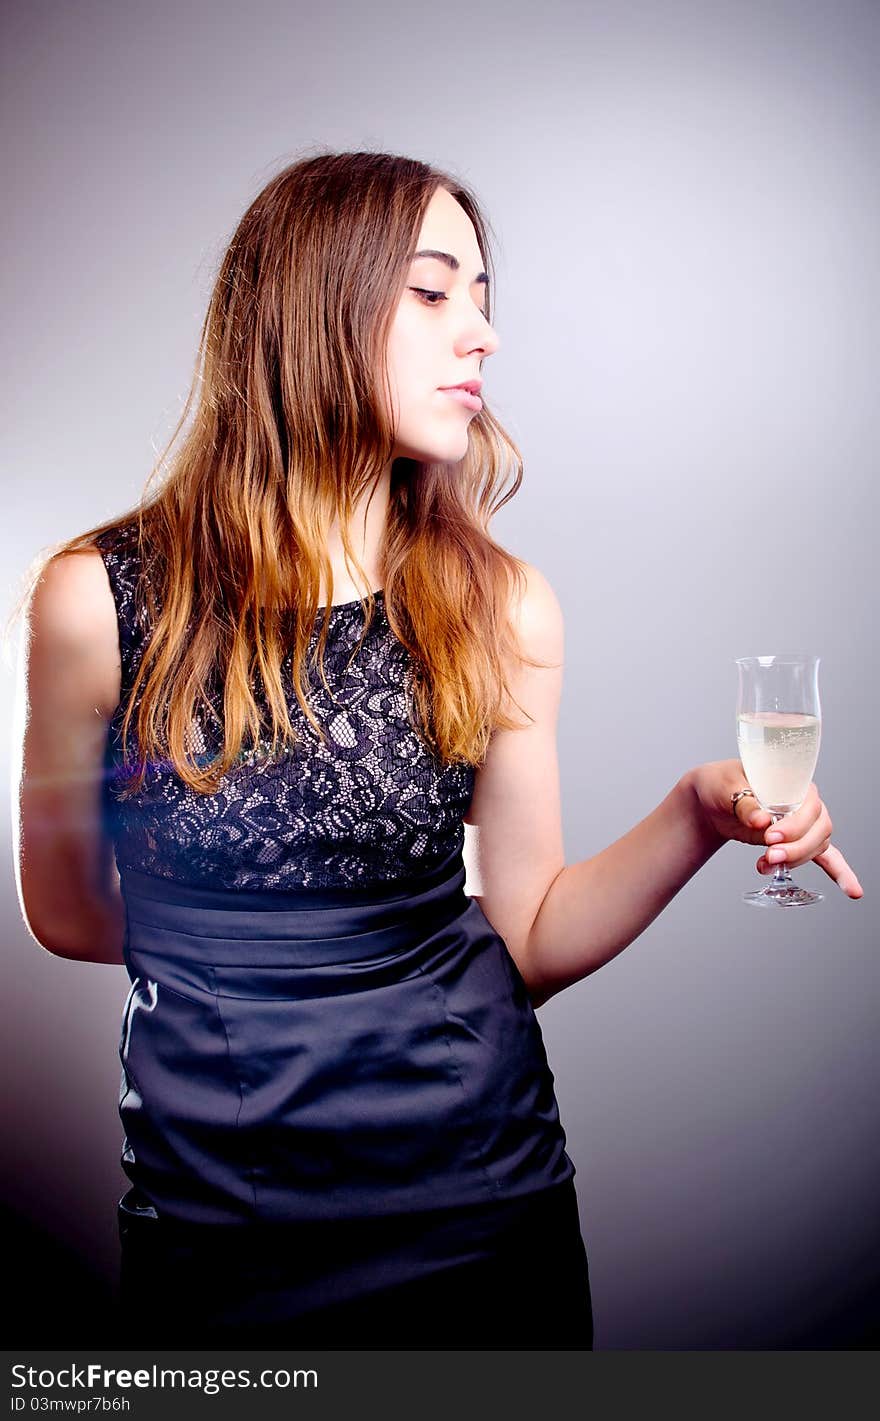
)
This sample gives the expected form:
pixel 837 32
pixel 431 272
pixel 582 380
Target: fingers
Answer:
pixel 796 824
pixel 750 813
pixel 829 859
pixel 836 866
pixel 799 837
pixel 803 836
pixel 799 822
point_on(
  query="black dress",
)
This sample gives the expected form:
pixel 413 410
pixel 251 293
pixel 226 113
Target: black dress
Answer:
pixel 340 1123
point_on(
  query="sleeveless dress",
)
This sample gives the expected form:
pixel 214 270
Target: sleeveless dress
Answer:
pixel 340 1122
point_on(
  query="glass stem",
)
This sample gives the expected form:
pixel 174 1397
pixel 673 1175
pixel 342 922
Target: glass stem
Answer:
pixel 781 873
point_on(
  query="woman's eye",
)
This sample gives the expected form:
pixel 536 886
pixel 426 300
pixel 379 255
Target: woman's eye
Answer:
pixel 430 298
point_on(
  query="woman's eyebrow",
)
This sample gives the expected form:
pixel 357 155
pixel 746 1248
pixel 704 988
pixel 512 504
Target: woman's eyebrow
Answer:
pixel 452 262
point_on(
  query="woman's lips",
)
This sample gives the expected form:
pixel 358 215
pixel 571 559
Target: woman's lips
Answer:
pixel 464 397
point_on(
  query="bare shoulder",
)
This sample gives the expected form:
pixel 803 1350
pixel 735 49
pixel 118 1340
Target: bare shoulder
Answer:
pixel 72 626
pixel 73 589
pixel 531 696
pixel 537 619
pixel 538 627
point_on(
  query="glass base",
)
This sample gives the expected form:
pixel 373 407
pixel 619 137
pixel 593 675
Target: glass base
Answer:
pixel 783 895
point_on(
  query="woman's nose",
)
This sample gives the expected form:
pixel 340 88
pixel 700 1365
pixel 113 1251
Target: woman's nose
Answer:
pixel 478 335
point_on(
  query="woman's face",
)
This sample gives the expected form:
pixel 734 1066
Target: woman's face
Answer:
pixel 438 339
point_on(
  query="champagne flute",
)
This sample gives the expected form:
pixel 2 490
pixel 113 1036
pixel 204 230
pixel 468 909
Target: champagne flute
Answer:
pixel 778 727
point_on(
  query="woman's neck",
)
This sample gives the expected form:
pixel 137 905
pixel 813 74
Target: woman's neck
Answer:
pixel 367 532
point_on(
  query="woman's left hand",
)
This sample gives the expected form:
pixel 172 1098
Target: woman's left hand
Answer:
pixel 797 838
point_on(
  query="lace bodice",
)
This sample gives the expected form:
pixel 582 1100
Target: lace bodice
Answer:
pixel 373 804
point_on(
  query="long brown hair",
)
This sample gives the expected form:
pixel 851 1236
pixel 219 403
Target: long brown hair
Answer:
pixel 288 430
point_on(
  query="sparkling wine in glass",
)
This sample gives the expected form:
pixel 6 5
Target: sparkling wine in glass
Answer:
pixel 778 727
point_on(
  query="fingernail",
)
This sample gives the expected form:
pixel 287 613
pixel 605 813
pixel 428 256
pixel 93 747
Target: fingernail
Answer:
pixel 775 855
pixel 774 836
pixel 753 818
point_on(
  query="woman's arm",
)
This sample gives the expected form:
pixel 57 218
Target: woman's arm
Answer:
pixel 596 908
pixel 561 922
pixel 69 686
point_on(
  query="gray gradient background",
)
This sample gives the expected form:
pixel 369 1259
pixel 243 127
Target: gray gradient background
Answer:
pixel 686 203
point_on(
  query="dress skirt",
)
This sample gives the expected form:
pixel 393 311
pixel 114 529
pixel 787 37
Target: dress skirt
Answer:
pixel 340 1125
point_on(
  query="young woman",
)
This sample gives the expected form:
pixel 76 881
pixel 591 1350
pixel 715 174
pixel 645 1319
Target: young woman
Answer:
pixel 271 697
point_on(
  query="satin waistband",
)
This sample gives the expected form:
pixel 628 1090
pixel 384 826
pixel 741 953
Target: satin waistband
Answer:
pixel 299 927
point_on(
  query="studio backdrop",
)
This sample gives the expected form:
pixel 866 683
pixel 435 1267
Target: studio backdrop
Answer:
pixel 685 205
